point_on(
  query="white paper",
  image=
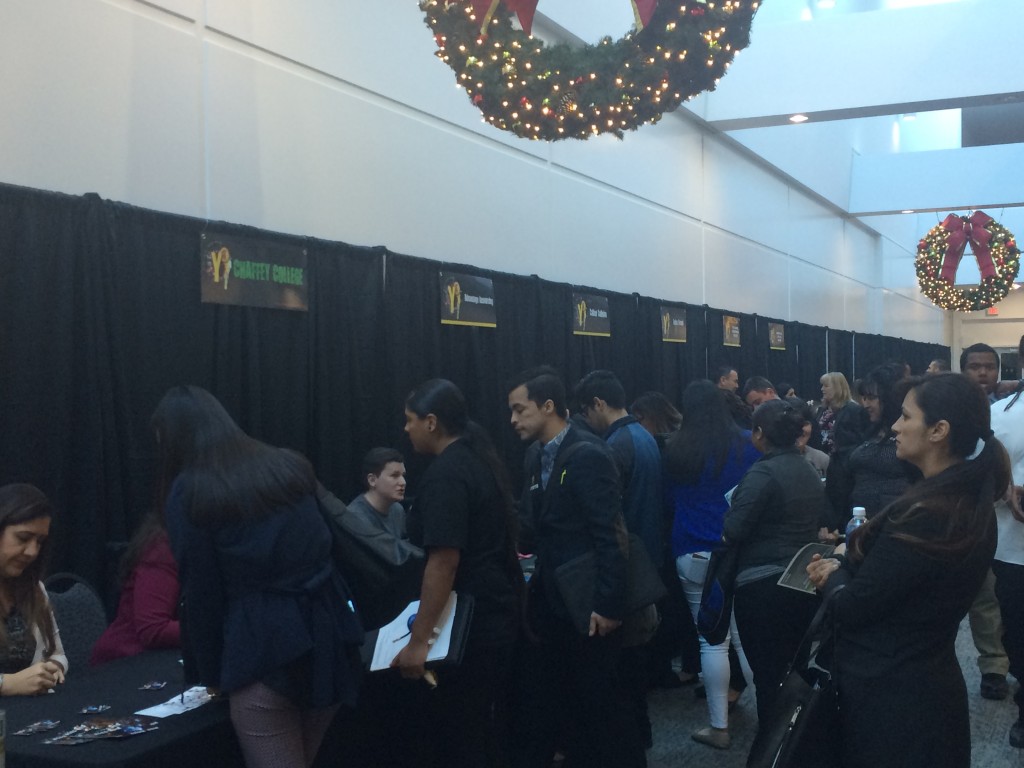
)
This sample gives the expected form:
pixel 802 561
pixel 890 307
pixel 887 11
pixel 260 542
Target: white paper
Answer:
pixel 394 636
pixel 192 698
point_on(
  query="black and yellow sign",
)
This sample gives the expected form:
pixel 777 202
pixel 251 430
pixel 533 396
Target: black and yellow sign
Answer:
pixel 673 324
pixel 467 300
pixel 776 336
pixel 730 331
pixel 590 315
pixel 234 269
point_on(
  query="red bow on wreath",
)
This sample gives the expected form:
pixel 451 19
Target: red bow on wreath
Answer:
pixel 961 230
pixel 525 9
pixel 484 9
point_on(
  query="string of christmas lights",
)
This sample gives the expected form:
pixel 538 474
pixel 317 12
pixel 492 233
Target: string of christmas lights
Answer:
pixel 934 248
pixel 558 92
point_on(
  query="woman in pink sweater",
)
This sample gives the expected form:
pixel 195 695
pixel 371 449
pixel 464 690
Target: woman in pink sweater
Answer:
pixel 147 613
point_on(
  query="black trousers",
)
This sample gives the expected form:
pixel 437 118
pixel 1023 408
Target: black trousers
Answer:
pixel 771 621
pixel 1010 593
pixel 402 723
pixel 570 697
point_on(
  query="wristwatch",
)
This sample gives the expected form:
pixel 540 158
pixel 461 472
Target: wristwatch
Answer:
pixel 1 684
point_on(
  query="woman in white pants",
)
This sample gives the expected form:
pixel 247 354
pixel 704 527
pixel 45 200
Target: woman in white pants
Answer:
pixel 703 460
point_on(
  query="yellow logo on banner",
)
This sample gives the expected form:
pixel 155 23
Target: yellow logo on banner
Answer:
pixel 454 298
pixel 221 259
pixel 581 313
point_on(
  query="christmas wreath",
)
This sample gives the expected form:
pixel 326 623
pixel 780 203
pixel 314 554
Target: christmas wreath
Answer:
pixel 536 91
pixel 940 251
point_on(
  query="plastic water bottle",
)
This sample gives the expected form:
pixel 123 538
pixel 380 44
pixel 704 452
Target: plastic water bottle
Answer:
pixel 858 519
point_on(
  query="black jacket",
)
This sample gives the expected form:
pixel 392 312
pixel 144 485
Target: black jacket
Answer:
pixel 580 510
pixel 776 509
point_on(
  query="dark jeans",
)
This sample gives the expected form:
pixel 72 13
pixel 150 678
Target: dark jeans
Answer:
pixel 569 696
pixel 772 621
pixel 677 634
pixel 1010 593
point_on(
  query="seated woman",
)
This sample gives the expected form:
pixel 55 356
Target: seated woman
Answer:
pixel 32 659
pixel 147 613
pixel 908 580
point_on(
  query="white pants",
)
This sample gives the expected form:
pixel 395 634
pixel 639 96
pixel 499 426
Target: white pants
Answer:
pixel 714 659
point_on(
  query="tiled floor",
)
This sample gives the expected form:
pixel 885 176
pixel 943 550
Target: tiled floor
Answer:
pixel 675 714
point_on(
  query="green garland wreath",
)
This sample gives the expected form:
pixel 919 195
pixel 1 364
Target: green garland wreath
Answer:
pixel 931 251
pixel 559 92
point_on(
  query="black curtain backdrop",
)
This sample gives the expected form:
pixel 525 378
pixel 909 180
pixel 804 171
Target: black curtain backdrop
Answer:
pixel 780 365
pixel 100 314
pixel 871 350
pixel 668 366
pixel 840 353
pixel 811 344
pixel 747 359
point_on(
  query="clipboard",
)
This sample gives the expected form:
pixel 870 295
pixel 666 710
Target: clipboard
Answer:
pixel 382 645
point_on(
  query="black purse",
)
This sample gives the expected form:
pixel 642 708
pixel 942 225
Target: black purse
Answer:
pixel 715 613
pixel 644 588
pixel 803 727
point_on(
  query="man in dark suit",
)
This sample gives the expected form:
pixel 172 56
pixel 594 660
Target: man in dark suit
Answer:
pixel 571 505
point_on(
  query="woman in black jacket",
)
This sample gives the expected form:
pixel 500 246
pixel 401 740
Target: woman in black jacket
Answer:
pixel 874 475
pixel 776 509
pixel 267 616
pixel 910 576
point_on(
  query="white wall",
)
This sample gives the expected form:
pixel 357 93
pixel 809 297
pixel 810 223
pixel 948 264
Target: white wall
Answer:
pixel 332 118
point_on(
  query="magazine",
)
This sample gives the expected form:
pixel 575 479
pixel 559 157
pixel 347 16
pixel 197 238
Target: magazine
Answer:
pixel 795 575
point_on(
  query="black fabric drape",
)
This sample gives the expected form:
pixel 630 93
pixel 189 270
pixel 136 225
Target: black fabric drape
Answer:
pixel 100 314
pixel 746 358
pixel 871 350
pixel 840 353
pixel 811 345
pixel 669 366
pixel 780 364
pixel 919 354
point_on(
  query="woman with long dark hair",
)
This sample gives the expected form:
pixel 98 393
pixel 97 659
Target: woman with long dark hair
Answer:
pixel 703 460
pixel 267 616
pixel 463 517
pixel 776 509
pixel 909 578
pixel 655 413
pixel 147 611
pixel 32 658
pixel 873 475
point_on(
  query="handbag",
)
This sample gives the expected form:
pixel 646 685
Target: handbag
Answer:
pixel 801 730
pixel 382 571
pixel 644 587
pixel 715 613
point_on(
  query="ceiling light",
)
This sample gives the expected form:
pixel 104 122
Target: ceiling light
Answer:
pixel 907 211
pixel 799 119
pixel 825 4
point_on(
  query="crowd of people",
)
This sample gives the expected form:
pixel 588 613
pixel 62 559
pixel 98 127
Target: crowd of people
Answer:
pixel 235 565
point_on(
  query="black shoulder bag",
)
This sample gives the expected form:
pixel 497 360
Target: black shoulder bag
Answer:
pixel 801 730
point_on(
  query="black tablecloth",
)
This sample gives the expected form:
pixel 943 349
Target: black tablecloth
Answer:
pixel 202 736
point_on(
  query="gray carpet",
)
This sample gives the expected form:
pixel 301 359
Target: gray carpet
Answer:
pixel 675 714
